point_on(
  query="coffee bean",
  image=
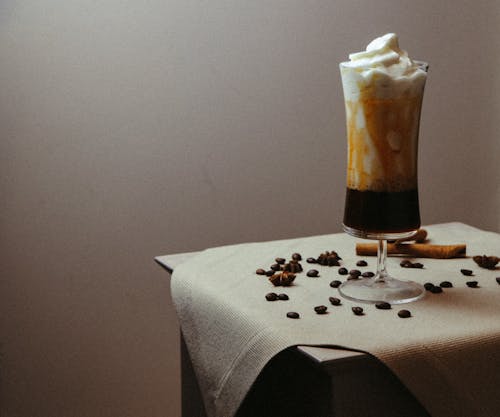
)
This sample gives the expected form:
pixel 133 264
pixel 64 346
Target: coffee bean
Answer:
pixel 283 297
pixel 269 272
pixel 355 272
pixel 312 273
pixel 311 261
pixel 428 286
pixel 335 283
pixel 404 314
pixel 361 263
pixel 383 306
pixel 272 296
pixel 320 309
pixel 297 256
pixel 292 315
pixel 334 301
pixel 471 284
pixel 406 264
pixel 446 284
pixel 368 274
pixel 466 272
pixel 358 311
pixel 409 264
pixel 260 271
pixel 498 280
pixel 280 261
pixel 436 290
pixel 275 267
pixel 352 277
pixel 343 271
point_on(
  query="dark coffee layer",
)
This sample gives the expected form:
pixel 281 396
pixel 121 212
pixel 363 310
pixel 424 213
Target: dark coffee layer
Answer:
pixel 382 212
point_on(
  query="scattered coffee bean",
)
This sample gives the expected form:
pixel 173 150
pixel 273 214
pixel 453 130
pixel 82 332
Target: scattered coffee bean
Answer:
pixel 275 267
pixel 428 286
pixel 335 283
pixel 409 264
pixel 311 261
pixel 404 314
pixel 361 263
pixel 297 256
pixel 272 296
pixel 260 271
pixel 292 315
pixel 406 264
pixel 436 290
pixel 343 271
pixel 312 273
pixel 283 297
pixel 383 306
pixel 446 284
pixel 358 311
pixel 269 272
pixel 320 309
pixel 368 274
pixel 471 284
pixel 355 272
pixel 280 261
pixel 334 301
pixel 498 280
pixel 466 272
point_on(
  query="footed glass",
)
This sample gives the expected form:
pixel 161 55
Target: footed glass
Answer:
pixel 382 193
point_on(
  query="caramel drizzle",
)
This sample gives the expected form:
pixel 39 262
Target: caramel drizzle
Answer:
pixel 383 117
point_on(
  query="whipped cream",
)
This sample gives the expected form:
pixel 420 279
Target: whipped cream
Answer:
pixel 384 66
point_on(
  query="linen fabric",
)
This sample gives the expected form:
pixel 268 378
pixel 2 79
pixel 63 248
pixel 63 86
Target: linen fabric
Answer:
pixel 447 354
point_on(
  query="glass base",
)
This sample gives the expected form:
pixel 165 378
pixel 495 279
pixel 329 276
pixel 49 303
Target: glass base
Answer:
pixel 375 290
pixel 382 287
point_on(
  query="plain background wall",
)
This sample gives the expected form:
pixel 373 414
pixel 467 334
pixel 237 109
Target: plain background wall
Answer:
pixel 130 129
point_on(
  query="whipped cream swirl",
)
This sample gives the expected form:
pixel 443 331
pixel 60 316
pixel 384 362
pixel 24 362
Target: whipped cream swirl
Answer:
pixel 386 67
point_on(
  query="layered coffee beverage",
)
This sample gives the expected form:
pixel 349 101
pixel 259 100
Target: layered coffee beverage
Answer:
pixel 383 91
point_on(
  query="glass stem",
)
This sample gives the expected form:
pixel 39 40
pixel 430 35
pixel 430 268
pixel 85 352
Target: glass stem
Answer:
pixel 381 257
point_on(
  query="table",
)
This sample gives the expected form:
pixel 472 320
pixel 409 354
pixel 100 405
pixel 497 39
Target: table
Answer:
pixel 252 360
pixel 308 381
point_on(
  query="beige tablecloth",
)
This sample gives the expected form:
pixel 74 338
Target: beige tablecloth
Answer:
pixel 447 353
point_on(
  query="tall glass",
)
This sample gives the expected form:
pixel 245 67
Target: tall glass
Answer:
pixel 383 117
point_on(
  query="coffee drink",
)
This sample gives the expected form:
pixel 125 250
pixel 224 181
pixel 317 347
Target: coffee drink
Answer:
pixel 383 91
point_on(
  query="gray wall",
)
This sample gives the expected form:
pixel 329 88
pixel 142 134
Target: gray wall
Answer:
pixel 130 129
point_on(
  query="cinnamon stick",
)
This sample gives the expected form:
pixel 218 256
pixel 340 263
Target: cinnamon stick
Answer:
pixel 419 237
pixel 417 250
